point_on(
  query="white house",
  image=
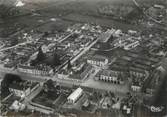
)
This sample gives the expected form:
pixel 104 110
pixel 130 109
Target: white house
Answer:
pixel 72 98
pixel 17 106
pixel 98 60
pixel 136 88
pixel 131 45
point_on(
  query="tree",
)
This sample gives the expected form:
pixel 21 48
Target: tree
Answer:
pixel 112 94
pixel 7 80
pixel 41 56
pixel 14 41
pixel 10 78
pixel 56 60
pixel 8 11
pixel 49 85
pixel 45 34
pixel 69 66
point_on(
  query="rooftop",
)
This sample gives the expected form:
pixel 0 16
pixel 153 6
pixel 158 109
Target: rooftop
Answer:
pixel 98 58
pixel 75 94
pixel 106 73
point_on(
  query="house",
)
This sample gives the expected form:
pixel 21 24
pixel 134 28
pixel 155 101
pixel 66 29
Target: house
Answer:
pixel 108 76
pixel 136 87
pixel 104 37
pixel 80 71
pixel 159 6
pixel 32 70
pixel 121 69
pixel 127 109
pixel 132 32
pixel 131 45
pixel 72 98
pixel 23 88
pixel 19 3
pixel 137 72
pixel 106 103
pixel 118 33
pixel 19 89
pixel 98 60
pixel 88 70
pixel 17 106
pixel 86 105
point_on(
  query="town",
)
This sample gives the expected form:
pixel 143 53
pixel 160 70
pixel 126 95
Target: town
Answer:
pixel 80 68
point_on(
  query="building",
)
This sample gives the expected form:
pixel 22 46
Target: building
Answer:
pixel 80 71
pixel 138 72
pixel 109 76
pixel 106 103
pixel 22 89
pixel 72 98
pixel 132 32
pixel 127 42
pixel 32 70
pixel 136 87
pixel 19 89
pixel 132 70
pixel 131 45
pixel 19 3
pixel 118 33
pixel 98 60
pixel 104 37
pixel 88 70
pixel 159 6
pixel 17 106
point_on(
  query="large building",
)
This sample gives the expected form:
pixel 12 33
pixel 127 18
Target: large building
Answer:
pixel 72 98
pixel 126 42
pixel 98 60
pixel 109 76
pixel 32 70
pixel 133 71
pixel 22 89
pixel 137 83
pixel 106 36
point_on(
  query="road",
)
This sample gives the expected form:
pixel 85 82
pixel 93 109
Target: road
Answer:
pixel 84 51
pixel 12 47
pixel 63 39
pixel 88 83
pixel 73 59
pixel 32 95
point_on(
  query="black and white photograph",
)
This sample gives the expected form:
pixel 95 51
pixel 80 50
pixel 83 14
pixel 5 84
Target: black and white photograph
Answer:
pixel 83 58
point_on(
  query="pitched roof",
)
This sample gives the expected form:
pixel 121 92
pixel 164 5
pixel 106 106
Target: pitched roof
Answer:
pixel 75 94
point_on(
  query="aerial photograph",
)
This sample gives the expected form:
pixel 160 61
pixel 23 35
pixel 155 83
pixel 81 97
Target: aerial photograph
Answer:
pixel 83 58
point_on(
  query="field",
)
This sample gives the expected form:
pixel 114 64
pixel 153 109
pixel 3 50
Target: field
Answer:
pixel 39 13
pixel 101 21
